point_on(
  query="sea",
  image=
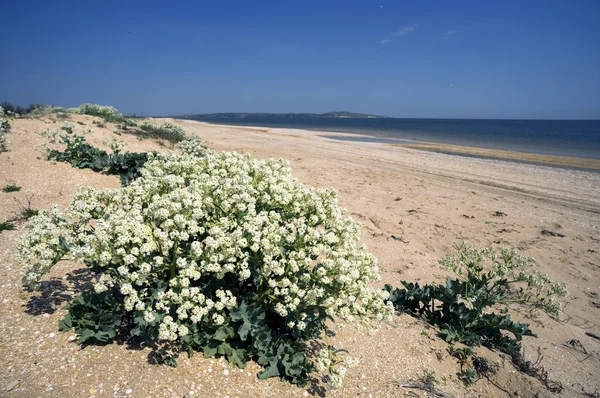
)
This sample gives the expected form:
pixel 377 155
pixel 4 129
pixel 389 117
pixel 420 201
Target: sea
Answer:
pixel 574 138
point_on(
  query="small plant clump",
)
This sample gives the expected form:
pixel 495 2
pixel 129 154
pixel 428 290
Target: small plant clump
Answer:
pixel 7 226
pixel 486 278
pixel 223 254
pixel 11 188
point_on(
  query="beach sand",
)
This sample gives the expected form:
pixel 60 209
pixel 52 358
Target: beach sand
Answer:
pixel 430 200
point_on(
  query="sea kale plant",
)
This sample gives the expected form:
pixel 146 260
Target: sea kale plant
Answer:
pixel 223 254
pixel 464 307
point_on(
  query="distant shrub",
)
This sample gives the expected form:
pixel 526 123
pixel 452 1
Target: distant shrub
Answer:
pixel 4 128
pixel 43 110
pixel 108 113
pixel 33 110
pixel 168 131
pixel 3 142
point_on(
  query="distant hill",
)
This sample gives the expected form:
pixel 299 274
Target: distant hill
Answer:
pixel 328 115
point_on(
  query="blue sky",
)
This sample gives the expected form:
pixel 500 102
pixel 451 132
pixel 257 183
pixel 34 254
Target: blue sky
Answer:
pixel 433 59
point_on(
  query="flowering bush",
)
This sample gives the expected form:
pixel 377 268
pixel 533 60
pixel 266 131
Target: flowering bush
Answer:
pixel 108 113
pixel 221 253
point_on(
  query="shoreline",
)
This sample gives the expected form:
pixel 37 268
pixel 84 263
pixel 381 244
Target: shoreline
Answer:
pixel 552 140
pixel 582 164
pixel 565 162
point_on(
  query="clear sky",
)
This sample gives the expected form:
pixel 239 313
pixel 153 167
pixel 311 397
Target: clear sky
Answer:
pixel 439 59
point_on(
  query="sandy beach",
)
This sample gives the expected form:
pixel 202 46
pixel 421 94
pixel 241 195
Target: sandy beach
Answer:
pixel 429 200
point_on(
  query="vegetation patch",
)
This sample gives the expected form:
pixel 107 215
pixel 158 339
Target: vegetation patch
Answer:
pixel 127 165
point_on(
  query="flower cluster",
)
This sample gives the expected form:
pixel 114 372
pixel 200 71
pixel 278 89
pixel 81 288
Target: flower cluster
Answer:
pixel 327 360
pixel 215 231
pixel 193 146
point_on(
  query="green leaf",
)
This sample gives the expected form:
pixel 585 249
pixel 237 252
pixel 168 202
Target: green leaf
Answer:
pixel 223 333
pixel 86 334
pixel 65 324
pixel 209 352
pixel 271 371
pixel 238 358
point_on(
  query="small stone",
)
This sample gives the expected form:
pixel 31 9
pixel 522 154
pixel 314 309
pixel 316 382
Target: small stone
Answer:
pixel 128 391
pixel 51 335
pixel 72 338
pixel 225 372
pixel 46 315
pixel 12 385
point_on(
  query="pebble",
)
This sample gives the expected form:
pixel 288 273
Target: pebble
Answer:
pixel 51 335
pixel 12 385
pixel 46 315
pixel 128 391
pixel 225 372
